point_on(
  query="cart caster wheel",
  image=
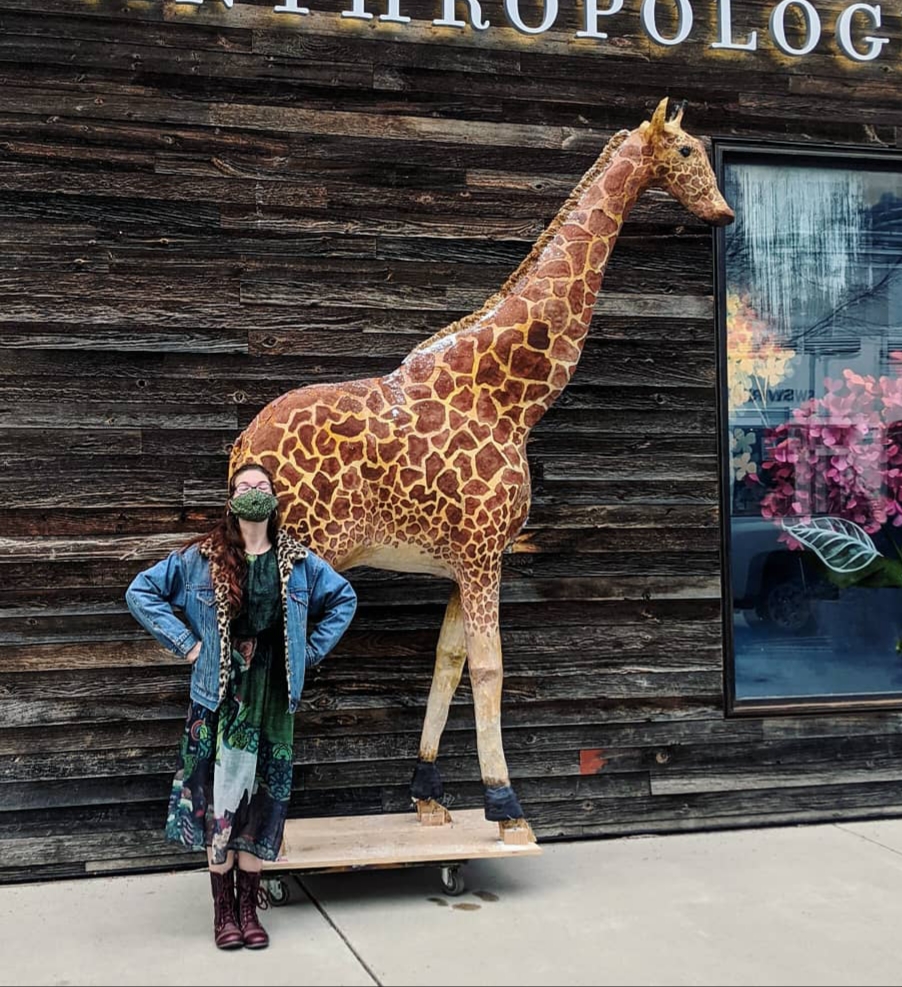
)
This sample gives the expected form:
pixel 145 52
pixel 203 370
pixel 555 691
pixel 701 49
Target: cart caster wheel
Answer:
pixel 452 881
pixel 278 891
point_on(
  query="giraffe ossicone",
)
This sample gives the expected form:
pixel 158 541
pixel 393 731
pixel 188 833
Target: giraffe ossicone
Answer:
pixel 424 469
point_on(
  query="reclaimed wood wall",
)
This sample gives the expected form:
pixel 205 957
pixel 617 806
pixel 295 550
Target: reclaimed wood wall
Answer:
pixel 201 208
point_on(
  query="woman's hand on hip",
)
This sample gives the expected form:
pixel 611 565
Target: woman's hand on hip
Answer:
pixel 193 653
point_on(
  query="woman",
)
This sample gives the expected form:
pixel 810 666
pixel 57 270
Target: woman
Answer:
pixel 248 590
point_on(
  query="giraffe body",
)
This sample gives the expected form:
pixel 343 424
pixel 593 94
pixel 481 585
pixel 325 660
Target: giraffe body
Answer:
pixel 386 477
pixel 425 469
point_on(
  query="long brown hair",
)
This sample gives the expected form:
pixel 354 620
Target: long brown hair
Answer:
pixel 228 541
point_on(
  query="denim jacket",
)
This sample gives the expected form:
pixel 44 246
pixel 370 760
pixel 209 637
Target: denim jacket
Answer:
pixel 312 593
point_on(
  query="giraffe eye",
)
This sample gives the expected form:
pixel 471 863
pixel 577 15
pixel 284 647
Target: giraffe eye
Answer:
pixel 685 151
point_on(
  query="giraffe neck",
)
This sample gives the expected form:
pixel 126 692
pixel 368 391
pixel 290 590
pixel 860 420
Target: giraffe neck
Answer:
pixel 527 345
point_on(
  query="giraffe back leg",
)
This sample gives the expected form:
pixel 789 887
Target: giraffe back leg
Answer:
pixel 479 601
pixel 426 787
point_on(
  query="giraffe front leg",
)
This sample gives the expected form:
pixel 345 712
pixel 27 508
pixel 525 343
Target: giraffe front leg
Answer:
pixel 486 676
pixel 426 787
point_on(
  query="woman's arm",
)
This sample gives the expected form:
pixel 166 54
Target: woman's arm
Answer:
pixel 150 597
pixel 332 605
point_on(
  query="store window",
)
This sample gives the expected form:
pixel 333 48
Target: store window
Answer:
pixel 810 300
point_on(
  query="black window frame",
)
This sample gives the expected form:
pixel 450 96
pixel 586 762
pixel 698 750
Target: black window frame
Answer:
pixel 765 150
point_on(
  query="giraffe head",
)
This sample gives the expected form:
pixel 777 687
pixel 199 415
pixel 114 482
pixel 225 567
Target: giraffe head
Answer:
pixel 679 165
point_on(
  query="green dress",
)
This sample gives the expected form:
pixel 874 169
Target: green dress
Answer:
pixel 232 785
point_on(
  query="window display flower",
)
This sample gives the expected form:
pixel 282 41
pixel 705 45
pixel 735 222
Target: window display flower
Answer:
pixel 756 359
pixel 841 454
pixel 742 463
pixel 840 458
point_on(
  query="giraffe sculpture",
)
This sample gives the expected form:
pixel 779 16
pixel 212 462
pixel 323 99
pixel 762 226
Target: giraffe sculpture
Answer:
pixel 425 470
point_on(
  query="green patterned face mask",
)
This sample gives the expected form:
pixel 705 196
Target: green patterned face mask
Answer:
pixel 253 505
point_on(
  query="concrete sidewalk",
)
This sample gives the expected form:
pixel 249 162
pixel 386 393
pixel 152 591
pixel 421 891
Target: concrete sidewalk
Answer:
pixel 802 905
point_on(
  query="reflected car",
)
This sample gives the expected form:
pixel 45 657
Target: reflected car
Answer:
pixel 772 584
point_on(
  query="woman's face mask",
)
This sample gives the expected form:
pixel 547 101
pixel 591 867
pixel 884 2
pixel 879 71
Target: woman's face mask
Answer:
pixel 253 505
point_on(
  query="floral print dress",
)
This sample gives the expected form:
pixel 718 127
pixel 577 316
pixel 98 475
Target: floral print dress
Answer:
pixel 233 780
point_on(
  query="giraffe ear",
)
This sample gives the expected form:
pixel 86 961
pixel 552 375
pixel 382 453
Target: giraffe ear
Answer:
pixel 658 119
pixel 677 119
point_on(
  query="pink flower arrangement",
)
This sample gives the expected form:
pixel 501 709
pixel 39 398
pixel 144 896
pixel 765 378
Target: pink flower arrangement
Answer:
pixel 840 455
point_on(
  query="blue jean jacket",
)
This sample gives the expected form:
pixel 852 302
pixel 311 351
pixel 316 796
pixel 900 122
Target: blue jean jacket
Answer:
pixel 314 596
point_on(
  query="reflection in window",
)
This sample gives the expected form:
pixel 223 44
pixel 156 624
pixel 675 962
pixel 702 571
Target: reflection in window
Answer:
pixel 813 303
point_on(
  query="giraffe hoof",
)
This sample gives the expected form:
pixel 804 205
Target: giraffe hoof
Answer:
pixel 516 831
pixel 432 813
pixel 426 783
pixel 501 804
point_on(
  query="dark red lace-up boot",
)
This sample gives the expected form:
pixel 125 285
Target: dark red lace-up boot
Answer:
pixel 251 897
pixel 226 931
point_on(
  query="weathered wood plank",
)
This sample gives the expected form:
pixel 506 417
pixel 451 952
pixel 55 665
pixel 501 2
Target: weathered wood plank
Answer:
pixel 131 137
pixel 150 109
pixel 824 802
pixel 100 522
pixel 534 540
pixel 156 701
pixel 150 57
pixel 315 723
pixel 121 338
pixel 99 621
pixel 37 443
pixel 93 737
pixel 70 21
pixel 606 363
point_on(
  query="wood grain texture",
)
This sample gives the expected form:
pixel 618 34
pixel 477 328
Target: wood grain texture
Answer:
pixel 201 209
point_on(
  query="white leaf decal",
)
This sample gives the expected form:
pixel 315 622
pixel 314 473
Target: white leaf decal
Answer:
pixel 841 545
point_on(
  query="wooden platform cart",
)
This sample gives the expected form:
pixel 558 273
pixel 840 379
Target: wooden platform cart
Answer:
pixel 386 841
